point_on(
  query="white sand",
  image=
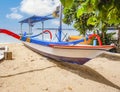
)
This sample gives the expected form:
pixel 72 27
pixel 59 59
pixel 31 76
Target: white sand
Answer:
pixel 31 72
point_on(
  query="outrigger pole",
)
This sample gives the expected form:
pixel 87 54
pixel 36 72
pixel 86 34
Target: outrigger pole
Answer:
pixel 60 25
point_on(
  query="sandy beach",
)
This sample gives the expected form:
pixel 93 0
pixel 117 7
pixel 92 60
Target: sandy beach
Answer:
pixel 31 72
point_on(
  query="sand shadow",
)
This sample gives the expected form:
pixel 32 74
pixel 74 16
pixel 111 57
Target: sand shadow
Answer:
pixel 1 61
pixel 85 72
pixel 24 72
pixel 110 56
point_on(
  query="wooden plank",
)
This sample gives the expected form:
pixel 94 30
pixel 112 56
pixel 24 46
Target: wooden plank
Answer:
pixel 8 55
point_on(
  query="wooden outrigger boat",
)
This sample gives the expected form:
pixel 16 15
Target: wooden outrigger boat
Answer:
pixel 62 51
pixel 71 52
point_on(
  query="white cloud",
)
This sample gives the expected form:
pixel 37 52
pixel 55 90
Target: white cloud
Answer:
pixel 14 14
pixel 39 7
pixel 34 7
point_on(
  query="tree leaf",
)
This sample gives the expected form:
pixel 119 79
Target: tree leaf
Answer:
pixel 80 11
pixel 92 21
pixel 66 3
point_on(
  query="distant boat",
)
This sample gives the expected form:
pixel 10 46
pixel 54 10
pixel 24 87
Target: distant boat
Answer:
pixel 1 55
pixel 2 50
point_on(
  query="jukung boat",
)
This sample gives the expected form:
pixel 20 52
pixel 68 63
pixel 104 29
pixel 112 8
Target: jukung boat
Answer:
pixel 63 51
pixel 72 51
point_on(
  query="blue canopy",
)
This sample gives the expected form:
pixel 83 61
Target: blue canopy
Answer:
pixel 35 18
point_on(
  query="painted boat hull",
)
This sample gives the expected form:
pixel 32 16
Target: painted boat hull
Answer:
pixel 72 54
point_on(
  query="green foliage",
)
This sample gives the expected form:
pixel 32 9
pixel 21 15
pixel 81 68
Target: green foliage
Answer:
pixel 92 21
pixel 66 3
pixel 91 14
pixel 70 16
pixel 107 39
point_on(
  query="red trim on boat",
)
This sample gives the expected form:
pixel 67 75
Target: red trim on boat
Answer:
pixel 48 32
pixel 98 38
pixel 83 47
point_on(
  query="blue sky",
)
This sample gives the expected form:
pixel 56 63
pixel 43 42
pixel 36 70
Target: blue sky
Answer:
pixel 12 11
pixel 5 7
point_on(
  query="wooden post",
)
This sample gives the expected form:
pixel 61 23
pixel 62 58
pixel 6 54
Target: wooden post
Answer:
pixel 8 55
pixel 119 37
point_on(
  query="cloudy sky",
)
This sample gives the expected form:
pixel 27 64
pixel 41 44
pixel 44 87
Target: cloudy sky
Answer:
pixel 12 11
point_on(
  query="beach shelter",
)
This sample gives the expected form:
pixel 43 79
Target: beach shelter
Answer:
pixel 34 19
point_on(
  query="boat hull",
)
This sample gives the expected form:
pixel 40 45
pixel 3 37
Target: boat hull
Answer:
pixel 76 55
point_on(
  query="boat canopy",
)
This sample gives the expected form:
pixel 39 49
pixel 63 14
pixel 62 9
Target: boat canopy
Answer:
pixel 35 19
